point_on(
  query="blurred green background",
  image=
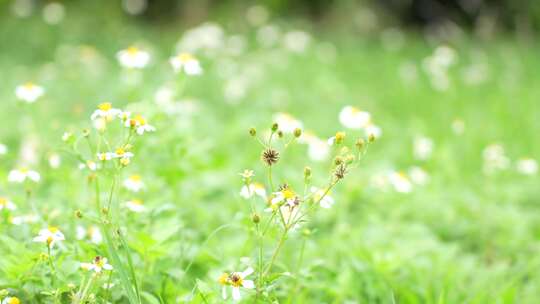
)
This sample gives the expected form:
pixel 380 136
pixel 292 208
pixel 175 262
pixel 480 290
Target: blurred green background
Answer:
pixel 461 75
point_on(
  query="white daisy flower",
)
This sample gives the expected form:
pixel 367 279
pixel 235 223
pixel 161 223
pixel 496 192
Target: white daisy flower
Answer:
pixel 236 280
pixel 91 165
pixel 134 183
pixel 103 156
pixel 185 62
pixel 29 92
pixel 105 111
pixel 253 189
pixel 98 265
pixel 326 201
pixel 527 166
pixel 19 220
pixel 373 130
pixel 20 175
pixel 287 123
pixel 6 204
pixel 135 205
pixel 422 147
pixel 139 124
pixel 133 58
pixel 49 236
pixel 122 153
pixel 3 149
pixel 92 233
pixel 352 118
pixel 55 160
pixel 11 300
pixel 400 182
pixel 418 176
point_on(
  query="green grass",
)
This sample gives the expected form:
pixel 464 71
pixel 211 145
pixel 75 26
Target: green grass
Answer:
pixel 465 237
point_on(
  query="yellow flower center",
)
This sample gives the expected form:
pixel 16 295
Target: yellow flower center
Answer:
pixel 185 57
pixel 136 202
pixel 135 178
pixel 340 136
pixel 132 50
pixel 14 300
pixel 106 106
pixel 29 85
pixel 53 229
pixel 140 120
pixel 49 240
pixel 236 280
pixel 120 151
pixel 3 201
pixel 288 193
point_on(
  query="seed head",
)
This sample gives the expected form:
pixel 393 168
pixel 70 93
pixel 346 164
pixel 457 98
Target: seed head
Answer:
pixel 340 171
pixel 270 156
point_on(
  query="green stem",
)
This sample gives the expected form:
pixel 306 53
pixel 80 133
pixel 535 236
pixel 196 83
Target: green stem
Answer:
pixel 51 264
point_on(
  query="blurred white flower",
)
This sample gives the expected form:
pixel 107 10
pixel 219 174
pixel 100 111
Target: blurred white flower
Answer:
pixel 422 147
pixel 135 205
pixel 352 118
pixel 103 156
pixel 253 189
pixel 53 13
pixel 105 111
pixel 133 58
pixel 29 92
pixel 296 41
pixel 208 37
pixel 21 175
pixel 134 183
pixel 257 15
pixel 185 62
pixel 92 233
pixel 400 182
pixel 6 204
pixel 318 149
pixel 49 236
pixel 98 264
pixel 268 35
pixel 134 7
pixel 373 130
pixel 287 123
pixel 3 149
pixel 495 159
pixel 527 166
pixel 320 195
pixel 458 126
pixel 418 176
pixel 11 300
pixel 19 220
pixel 54 160
pixel 91 165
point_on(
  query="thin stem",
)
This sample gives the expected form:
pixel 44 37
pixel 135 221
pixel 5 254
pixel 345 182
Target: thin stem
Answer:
pixel 276 251
pixel 51 264
pixel 270 181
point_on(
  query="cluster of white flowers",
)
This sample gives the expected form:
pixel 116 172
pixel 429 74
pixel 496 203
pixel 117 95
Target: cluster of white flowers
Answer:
pixel 437 66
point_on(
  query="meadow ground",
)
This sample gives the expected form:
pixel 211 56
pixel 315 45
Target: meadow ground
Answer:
pixel 443 207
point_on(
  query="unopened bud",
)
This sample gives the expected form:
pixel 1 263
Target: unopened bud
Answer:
pixel 297 132
pixel 338 160
pixel 275 127
pixel 78 214
pixel 307 172
pixel 371 138
pixel 280 134
pixel 255 218
pixel 360 143
pixel 252 131
pixel 340 136
pixel 86 132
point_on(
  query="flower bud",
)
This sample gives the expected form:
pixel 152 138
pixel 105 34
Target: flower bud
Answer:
pixel 297 132
pixel 280 134
pixel 338 160
pixel 255 218
pixel 275 127
pixel 360 143
pixel 340 136
pixel 86 132
pixel 78 214
pixel 307 173
pixel 252 131
pixel 371 138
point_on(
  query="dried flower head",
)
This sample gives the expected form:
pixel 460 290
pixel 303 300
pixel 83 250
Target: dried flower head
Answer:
pixel 270 156
pixel 340 171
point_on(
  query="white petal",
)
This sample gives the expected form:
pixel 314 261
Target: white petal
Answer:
pixel 246 272
pixel 248 284
pixel 236 293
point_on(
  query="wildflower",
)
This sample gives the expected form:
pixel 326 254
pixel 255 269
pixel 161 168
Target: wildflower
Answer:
pixel 247 175
pixel 352 118
pixel 20 175
pixel 98 264
pixel 139 124
pixel 124 116
pixel 373 132
pixel 91 165
pixel 400 182
pixel 320 195
pixel 135 205
pixel 103 156
pixel 287 123
pixel 248 191
pixel 422 148
pixel 3 149
pixel 122 153
pixel 337 139
pixel 29 92
pixel 6 204
pixel 270 156
pixel 134 183
pixel 133 58
pixel 418 176
pixel 527 166
pixel 284 197
pixel 105 111
pixel 495 159
pixel 187 63
pixel 49 236
pixel 11 300
pixel 55 161
pixel 235 280
pixel 93 233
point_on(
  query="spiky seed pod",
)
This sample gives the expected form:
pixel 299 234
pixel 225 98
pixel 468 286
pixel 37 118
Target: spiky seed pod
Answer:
pixel 340 171
pixel 270 156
